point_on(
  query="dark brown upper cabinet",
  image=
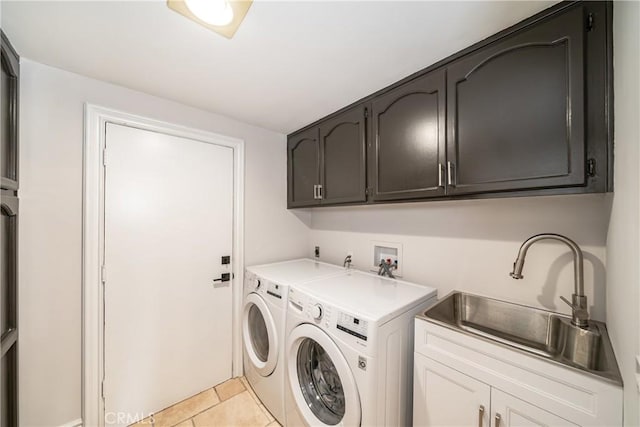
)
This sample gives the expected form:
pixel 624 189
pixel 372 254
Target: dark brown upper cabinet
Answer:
pixel 327 163
pixel 408 132
pixel 516 111
pixel 9 89
pixel 303 163
pixel 343 172
pixel 525 112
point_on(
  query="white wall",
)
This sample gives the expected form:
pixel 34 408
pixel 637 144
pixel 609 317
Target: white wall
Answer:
pixel 51 222
pixel 471 245
pixel 623 247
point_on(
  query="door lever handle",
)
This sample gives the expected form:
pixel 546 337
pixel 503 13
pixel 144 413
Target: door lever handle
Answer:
pixel 225 277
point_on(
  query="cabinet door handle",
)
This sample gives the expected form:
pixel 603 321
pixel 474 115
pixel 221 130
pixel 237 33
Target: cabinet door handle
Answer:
pixel 480 415
pixel 315 192
pixel 320 191
pixel 440 175
pixel 450 174
pixel 498 419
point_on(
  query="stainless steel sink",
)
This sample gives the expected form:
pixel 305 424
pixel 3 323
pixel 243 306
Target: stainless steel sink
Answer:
pixel 534 331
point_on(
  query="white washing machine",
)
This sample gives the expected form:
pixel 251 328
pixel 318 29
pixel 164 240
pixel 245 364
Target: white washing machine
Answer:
pixel 263 324
pixel 349 350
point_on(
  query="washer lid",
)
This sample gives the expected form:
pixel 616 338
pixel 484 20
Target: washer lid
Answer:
pixel 289 273
pixel 259 335
pixel 375 297
pixel 321 380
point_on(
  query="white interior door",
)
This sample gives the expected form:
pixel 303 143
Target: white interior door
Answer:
pixel 168 222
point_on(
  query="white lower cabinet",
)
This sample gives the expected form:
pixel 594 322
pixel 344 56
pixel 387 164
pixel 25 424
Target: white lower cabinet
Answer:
pixel 463 381
pixel 446 397
pixel 509 411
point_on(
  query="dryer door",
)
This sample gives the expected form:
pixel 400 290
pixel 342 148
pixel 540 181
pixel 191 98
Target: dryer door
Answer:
pixel 259 333
pixel 320 378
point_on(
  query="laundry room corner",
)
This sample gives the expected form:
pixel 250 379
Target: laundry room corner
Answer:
pixel 51 206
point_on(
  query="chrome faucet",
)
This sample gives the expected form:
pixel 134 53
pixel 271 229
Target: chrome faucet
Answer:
pixel 347 262
pixel 578 304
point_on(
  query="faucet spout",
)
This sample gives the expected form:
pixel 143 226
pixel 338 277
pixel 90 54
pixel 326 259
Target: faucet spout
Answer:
pixel 579 300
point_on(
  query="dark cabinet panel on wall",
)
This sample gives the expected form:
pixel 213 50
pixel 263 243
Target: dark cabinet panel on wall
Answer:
pixel 409 140
pixel 343 158
pixel 303 162
pixel 9 89
pixel 9 310
pixel 516 111
pixel 327 163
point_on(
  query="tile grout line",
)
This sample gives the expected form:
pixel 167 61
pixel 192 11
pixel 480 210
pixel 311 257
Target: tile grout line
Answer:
pixel 220 401
pixel 191 417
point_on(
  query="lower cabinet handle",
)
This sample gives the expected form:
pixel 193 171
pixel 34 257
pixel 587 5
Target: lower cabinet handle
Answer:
pixel 498 419
pixel 440 175
pixel 480 415
pixel 315 192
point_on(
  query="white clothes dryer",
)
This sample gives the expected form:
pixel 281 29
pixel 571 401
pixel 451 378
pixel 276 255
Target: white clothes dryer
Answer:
pixel 349 350
pixel 263 323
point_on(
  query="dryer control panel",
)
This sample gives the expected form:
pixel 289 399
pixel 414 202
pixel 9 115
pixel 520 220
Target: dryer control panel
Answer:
pixel 274 290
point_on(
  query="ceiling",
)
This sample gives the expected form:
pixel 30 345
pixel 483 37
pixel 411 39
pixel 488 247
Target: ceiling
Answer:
pixel 289 64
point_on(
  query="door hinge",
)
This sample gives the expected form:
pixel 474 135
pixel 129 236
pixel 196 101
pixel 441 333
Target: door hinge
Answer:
pixel 103 274
pixel 366 113
pixel 104 157
pixel 591 167
pixel 590 22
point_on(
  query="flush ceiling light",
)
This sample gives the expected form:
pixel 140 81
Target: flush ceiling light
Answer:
pixel 222 16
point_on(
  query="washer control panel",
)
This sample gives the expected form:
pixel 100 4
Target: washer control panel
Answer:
pixel 317 311
pixel 333 320
pixel 352 325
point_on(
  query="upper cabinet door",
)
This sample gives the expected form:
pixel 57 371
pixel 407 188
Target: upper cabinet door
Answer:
pixel 409 140
pixel 343 158
pixel 516 110
pixel 9 85
pixel 303 162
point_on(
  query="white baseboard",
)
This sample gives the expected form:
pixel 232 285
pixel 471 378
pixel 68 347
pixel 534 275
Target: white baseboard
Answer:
pixel 74 423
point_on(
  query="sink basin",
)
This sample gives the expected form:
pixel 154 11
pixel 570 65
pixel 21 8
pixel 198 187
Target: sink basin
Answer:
pixel 534 331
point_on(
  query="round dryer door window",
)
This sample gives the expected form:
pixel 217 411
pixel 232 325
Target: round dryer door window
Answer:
pixel 259 333
pixel 321 379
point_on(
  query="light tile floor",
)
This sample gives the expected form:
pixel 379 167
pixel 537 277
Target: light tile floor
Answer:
pixel 230 404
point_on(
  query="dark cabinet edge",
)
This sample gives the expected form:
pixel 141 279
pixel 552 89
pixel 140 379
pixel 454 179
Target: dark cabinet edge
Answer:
pixel 6 44
pixel 12 59
pixel 609 93
pixel 550 11
pixel 562 191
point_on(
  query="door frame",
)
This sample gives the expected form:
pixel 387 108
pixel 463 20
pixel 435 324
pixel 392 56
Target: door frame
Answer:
pixel 93 185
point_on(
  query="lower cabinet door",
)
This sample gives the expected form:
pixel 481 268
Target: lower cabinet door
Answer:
pixel 509 411
pixel 445 397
